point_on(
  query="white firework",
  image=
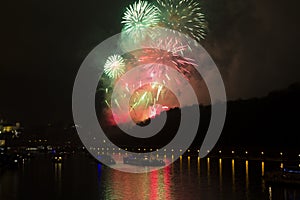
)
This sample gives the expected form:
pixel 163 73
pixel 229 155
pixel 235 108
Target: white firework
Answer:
pixel 114 66
pixel 139 18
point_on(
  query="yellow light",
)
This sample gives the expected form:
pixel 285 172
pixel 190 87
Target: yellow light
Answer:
pixel 281 153
pixel 165 149
pixel 262 153
pixel 281 165
pixel 232 151
pixel 246 152
pixel 180 150
pixel 188 150
pixel 172 150
pixel 220 151
pixel 207 151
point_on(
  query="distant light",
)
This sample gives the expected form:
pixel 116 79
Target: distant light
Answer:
pixel 180 150
pixel 139 149
pixel 165 149
pixel 172 150
pixel 232 152
pixel 220 151
pixel 144 149
pixel 246 152
pixel 299 155
pixel 150 149
pixel 281 153
pixel 207 151
pixel 262 153
pixel 198 150
pixel 189 150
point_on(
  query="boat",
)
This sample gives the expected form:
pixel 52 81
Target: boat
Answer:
pixel 143 161
pixel 106 159
pixel 287 175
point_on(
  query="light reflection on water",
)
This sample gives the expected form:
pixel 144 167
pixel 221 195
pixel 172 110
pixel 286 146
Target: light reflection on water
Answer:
pixel 80 177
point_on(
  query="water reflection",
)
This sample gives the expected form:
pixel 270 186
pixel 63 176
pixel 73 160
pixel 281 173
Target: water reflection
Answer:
pixel 270 193
pixel 195 178
pixel 198 166
pixel 189 165
pixel 220 173
pixel 208 170
pixel 263 184
pixel 58 175
pixel 247 175
pixel 233 175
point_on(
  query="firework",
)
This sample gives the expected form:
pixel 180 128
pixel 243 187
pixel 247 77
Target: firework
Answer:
pixel 184 16
pixel 163 53
pixel 114 66
pixel 139 18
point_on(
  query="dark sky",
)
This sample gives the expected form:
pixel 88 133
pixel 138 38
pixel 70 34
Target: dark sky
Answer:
pixel 253 42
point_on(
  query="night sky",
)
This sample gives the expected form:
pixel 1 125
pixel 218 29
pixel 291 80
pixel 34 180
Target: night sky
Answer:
pixel 254 43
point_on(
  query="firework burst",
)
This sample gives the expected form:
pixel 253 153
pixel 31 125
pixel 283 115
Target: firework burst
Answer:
pixel 184 16
pixel 139 18
pixel 114 66
pixel 165 52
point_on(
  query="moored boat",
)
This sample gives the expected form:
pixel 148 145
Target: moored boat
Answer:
pixel 143 161
pixel 286 175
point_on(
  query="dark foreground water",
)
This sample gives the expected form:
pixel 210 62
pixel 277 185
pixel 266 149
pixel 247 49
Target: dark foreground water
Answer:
pixel 80 177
